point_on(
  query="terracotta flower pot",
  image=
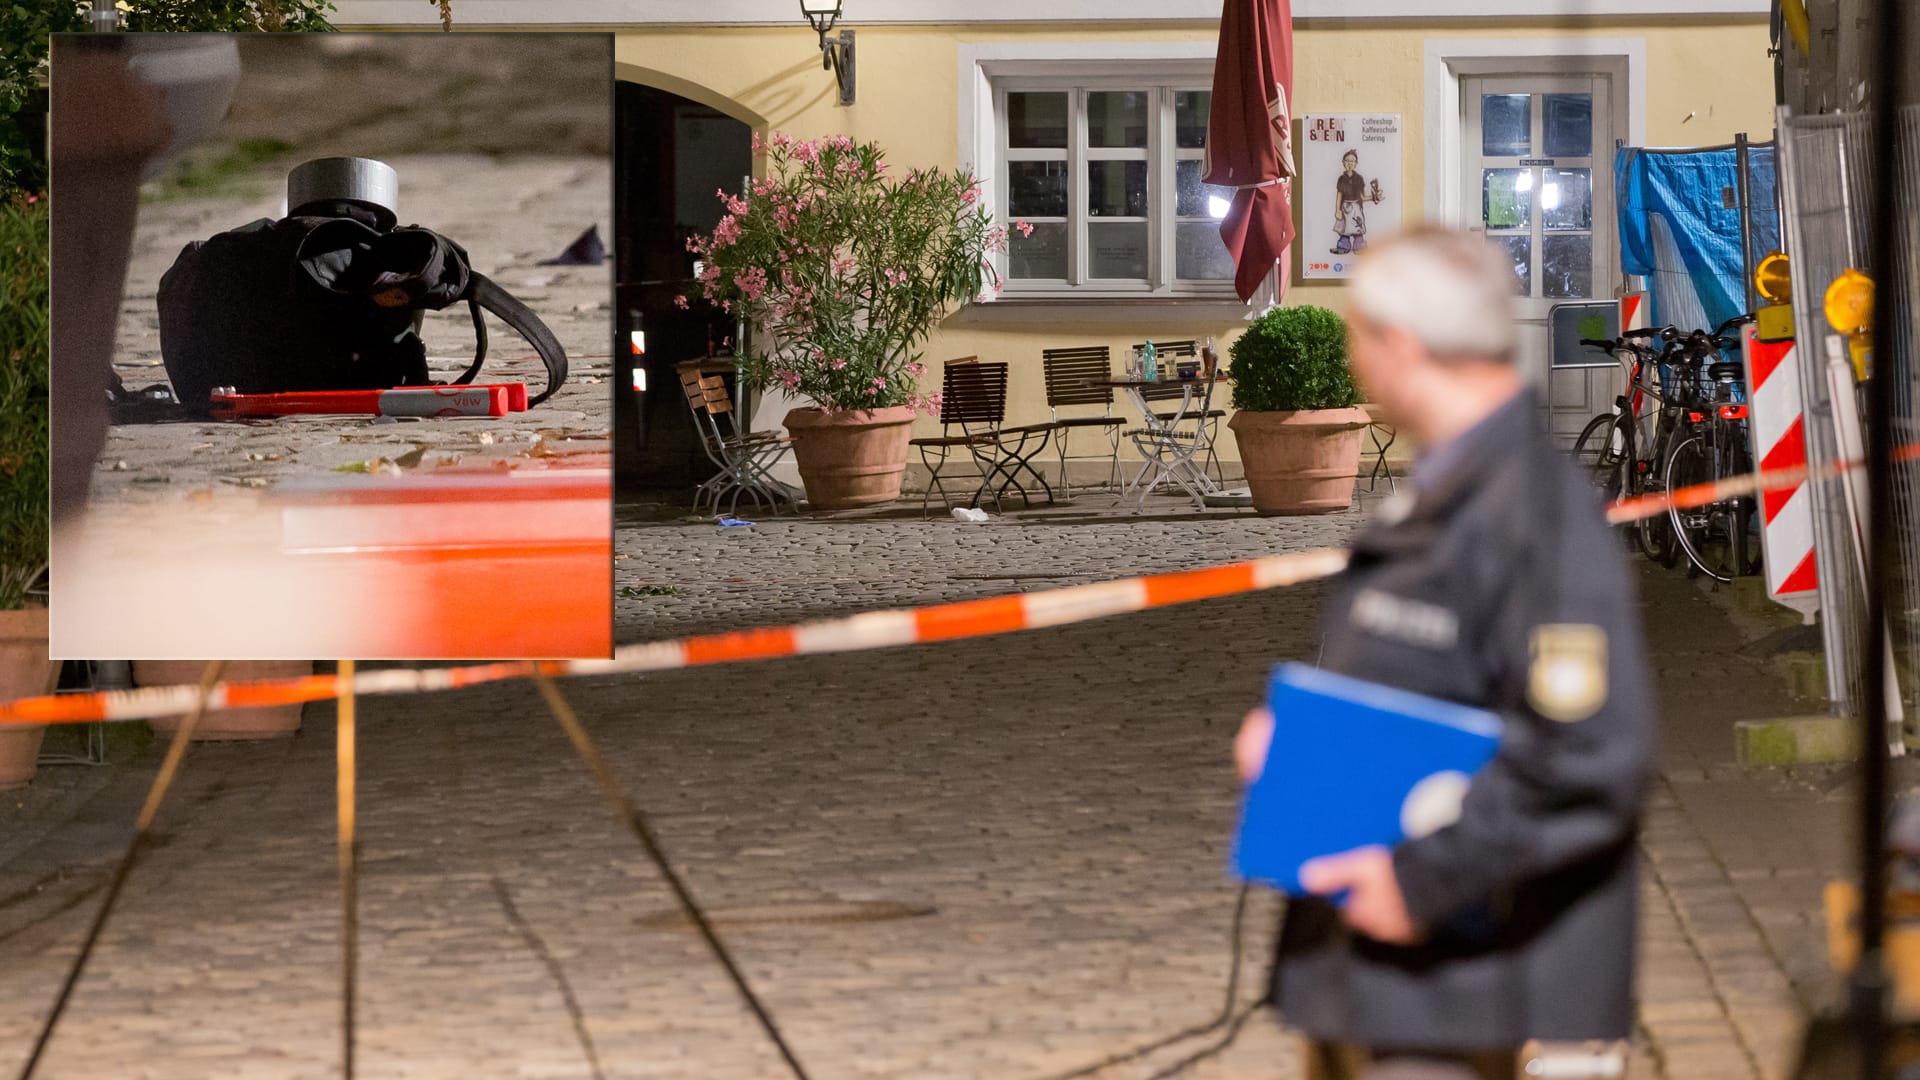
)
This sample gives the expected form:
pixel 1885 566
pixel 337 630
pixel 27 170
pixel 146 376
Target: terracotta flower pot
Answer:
pixel 268 722
pixel 1300 462
pixel 24 672
pixel 851 459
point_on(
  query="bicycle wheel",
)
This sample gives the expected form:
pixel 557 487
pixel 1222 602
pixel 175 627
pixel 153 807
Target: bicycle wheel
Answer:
pixel 1601 452
pixel 1700 532
pixel 1743 517
pixel 1656 532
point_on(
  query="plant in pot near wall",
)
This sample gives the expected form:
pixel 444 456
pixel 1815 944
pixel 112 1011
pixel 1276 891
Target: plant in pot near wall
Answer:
pixel 844 270
pixel 24 668
pixel 1297 426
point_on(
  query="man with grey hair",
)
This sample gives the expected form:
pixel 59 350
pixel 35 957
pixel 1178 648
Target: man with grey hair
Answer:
pixel 1495 584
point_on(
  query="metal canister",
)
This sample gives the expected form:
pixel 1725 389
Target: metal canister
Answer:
pixel 365 181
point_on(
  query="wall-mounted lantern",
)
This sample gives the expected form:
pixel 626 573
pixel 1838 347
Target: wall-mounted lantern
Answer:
pixel 836 53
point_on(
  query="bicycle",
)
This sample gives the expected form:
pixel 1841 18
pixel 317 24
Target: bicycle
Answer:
pixel 1608 447
pixel 1718 539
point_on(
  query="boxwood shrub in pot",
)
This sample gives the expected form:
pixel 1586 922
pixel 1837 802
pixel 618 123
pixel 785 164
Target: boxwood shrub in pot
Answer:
pixel 1297 424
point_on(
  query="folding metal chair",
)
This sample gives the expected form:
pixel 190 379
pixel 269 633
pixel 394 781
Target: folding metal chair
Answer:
pixel 1374 430
pixel 1207 420
pixel 744 458
pixel 973 398
pixel 1070 374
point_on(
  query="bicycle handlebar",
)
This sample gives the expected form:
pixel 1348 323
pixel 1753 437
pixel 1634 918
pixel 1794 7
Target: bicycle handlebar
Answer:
pixel 1738 320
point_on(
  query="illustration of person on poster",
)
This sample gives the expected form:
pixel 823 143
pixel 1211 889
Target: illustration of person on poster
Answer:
pixel 1351 196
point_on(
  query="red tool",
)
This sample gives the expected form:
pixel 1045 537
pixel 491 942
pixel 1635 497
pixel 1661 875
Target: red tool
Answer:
pixel 487 400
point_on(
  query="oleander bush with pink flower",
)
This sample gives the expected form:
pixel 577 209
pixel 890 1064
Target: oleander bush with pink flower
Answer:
pixel 844 269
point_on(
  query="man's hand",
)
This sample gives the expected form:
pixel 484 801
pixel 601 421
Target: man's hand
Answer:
pixel 1374 905
pixel 1250 746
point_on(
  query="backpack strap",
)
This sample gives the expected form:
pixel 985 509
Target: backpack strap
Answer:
pixel 483 293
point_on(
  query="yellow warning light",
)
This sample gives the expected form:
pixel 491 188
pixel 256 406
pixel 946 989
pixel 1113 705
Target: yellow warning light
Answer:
pixel 1850 303
pixel 1771 278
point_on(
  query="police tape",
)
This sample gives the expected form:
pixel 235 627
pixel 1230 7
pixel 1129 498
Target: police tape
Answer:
pixel 1694 496
pixel 871 630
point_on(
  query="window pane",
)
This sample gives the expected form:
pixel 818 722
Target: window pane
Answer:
pixel 1037 189
pixel 1118 249
pixel 1190 109
pixel 1566 267
pixel 1042 255
pixel 1117 188
pixel 1195 199
pixel 1506 124
pixel 1519 251
pixel 1199 253
pixel 1037 120
pixel 1567 124
pixel 1117 118
pixel 1506 198
pixel 1566 199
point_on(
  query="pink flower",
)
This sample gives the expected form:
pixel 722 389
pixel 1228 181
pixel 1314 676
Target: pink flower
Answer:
pixel 969 195
pixel 838 365
pixel 1025 227
pixel 879 383
pixel 752 283
pixel 680 302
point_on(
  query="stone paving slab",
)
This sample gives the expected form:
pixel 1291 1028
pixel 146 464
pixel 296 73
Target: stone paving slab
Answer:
pixel 1057 799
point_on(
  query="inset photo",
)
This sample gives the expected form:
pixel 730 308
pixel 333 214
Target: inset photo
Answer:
pixel 331 336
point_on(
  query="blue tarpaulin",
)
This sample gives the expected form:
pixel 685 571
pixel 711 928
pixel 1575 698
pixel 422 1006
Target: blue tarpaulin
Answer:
pixel 1680 227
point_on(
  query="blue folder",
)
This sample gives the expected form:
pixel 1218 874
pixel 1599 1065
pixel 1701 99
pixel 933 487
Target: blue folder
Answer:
pixel 1345 757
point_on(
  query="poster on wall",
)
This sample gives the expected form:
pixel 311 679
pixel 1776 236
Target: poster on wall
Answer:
pixel 1350 188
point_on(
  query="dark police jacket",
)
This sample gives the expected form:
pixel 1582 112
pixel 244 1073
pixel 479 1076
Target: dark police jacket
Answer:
pixel 1499 586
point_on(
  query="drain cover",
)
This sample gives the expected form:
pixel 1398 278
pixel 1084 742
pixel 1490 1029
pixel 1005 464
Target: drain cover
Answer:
pixel 824 912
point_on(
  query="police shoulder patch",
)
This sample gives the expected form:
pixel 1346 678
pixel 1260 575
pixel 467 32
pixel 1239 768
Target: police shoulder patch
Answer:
pixel 1567 672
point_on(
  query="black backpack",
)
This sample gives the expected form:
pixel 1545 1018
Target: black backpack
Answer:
pixel 326 299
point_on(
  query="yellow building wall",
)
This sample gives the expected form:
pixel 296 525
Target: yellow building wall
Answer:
pixel 1705 81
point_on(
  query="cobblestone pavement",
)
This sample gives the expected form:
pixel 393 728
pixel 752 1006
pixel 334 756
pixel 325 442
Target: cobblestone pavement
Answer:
pixel 1046 810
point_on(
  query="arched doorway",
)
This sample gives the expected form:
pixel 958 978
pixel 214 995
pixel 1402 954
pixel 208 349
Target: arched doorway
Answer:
pixel 672 154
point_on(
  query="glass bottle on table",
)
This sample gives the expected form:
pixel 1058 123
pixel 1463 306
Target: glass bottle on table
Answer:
pixel 1151 362
pixel 1208 359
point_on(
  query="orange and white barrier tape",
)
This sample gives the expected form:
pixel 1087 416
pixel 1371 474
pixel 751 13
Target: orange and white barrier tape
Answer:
pixel 872 630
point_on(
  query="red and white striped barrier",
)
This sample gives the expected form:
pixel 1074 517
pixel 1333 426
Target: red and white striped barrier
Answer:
pixel 1778 424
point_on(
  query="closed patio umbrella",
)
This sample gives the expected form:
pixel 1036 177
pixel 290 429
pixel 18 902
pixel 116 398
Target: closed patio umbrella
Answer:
pixel 1250 135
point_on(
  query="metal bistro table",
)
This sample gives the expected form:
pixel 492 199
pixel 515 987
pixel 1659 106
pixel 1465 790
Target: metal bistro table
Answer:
pixel 1169 453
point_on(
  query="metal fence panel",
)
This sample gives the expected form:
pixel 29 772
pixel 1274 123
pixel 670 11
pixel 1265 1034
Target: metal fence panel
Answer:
pixel 1825 171
pixel 1823 182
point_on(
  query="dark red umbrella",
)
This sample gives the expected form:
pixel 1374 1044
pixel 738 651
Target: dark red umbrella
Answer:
pixel 1250 135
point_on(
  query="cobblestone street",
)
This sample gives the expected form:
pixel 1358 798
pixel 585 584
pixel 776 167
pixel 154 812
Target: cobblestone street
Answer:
pixel 1000 858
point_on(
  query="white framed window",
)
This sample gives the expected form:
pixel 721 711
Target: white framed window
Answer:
pixel 1531 146
pixel 1105 166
